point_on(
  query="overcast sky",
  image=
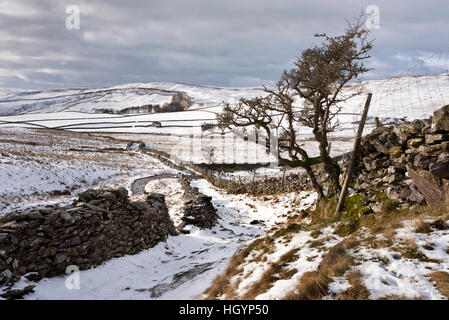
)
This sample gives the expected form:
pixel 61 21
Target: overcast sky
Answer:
pixel 226 43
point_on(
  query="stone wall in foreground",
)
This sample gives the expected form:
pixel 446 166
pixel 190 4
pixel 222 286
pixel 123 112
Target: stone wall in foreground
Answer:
pixel 397 160
pixel 100 225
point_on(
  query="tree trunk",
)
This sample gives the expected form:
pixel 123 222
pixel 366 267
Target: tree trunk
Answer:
pixel 314 181
pixel 329 164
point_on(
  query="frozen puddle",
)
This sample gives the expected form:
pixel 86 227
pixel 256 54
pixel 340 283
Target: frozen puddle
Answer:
pixel 183 267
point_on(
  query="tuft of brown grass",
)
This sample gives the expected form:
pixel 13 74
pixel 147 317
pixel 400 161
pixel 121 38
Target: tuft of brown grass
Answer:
pixel 316 233
pixel 289 257
pixel 319 242
pixel 441 280
pixel 422 227
pixel 274 272
pixel 221 286
pixel 385 222
pixel 314 285
pixel 264 284
pixel 439 224
pixel 410 250
pixel 390 235
pixel 357 291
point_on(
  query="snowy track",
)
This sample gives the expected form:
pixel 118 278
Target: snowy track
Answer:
pixel 138 186
pixel 185 265
pixel 180 268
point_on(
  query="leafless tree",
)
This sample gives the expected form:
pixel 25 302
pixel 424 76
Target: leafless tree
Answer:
pixel 247 112
pixel 308 95
pixel 275 111
pixel 318 78
pixel 282 103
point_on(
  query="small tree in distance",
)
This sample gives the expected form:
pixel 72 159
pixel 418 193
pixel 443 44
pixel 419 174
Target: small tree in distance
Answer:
pixel 247 112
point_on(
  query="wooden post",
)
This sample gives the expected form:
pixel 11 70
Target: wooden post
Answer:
pixel 191 149
pixel 351 167
pixel 377 122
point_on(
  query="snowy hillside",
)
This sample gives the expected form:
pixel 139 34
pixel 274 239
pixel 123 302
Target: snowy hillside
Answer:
pixel 116 98
pixel 394 100
pixel 273 237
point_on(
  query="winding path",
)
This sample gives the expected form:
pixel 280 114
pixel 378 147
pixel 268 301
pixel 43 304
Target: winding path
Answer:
pixel 138 186
pixel 182 267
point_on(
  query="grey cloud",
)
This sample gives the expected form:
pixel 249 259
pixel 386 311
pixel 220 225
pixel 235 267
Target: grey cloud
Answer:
pixel 225 43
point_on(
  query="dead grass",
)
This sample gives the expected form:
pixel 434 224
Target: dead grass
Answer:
pixel 319 242
pixel 336 262
pixel 357 291
pixel 264 284
pixel 316 233
pixel 439 224
pixel 314 285
pixel 387 222
pixel 222 286
pixel 276 271
pixel 289 229
pixel 410 250
pixel 422 227
pixel 441 280
pixel 289 257
pixel 390 235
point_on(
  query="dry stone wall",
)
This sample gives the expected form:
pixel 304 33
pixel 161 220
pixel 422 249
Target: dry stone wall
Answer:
pixel 198 209
pixel 100 225
pixel 391 155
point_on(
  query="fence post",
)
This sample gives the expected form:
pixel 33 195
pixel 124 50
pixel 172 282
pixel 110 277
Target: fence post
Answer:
pixel 351 167
pixel 377 122
pixel 191 149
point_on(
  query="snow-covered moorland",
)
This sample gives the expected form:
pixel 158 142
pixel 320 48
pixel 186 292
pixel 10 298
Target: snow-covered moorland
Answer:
pixel 186 264
pixel 262 247
pixel 394 99
pixel 42 166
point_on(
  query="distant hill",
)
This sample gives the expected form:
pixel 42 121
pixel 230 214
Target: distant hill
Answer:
pixel 117 98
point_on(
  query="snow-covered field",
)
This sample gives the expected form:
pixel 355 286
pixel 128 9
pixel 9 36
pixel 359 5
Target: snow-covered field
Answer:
pixel 37 165
pixel 117 98
pixel 386 274
pixel 394 99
